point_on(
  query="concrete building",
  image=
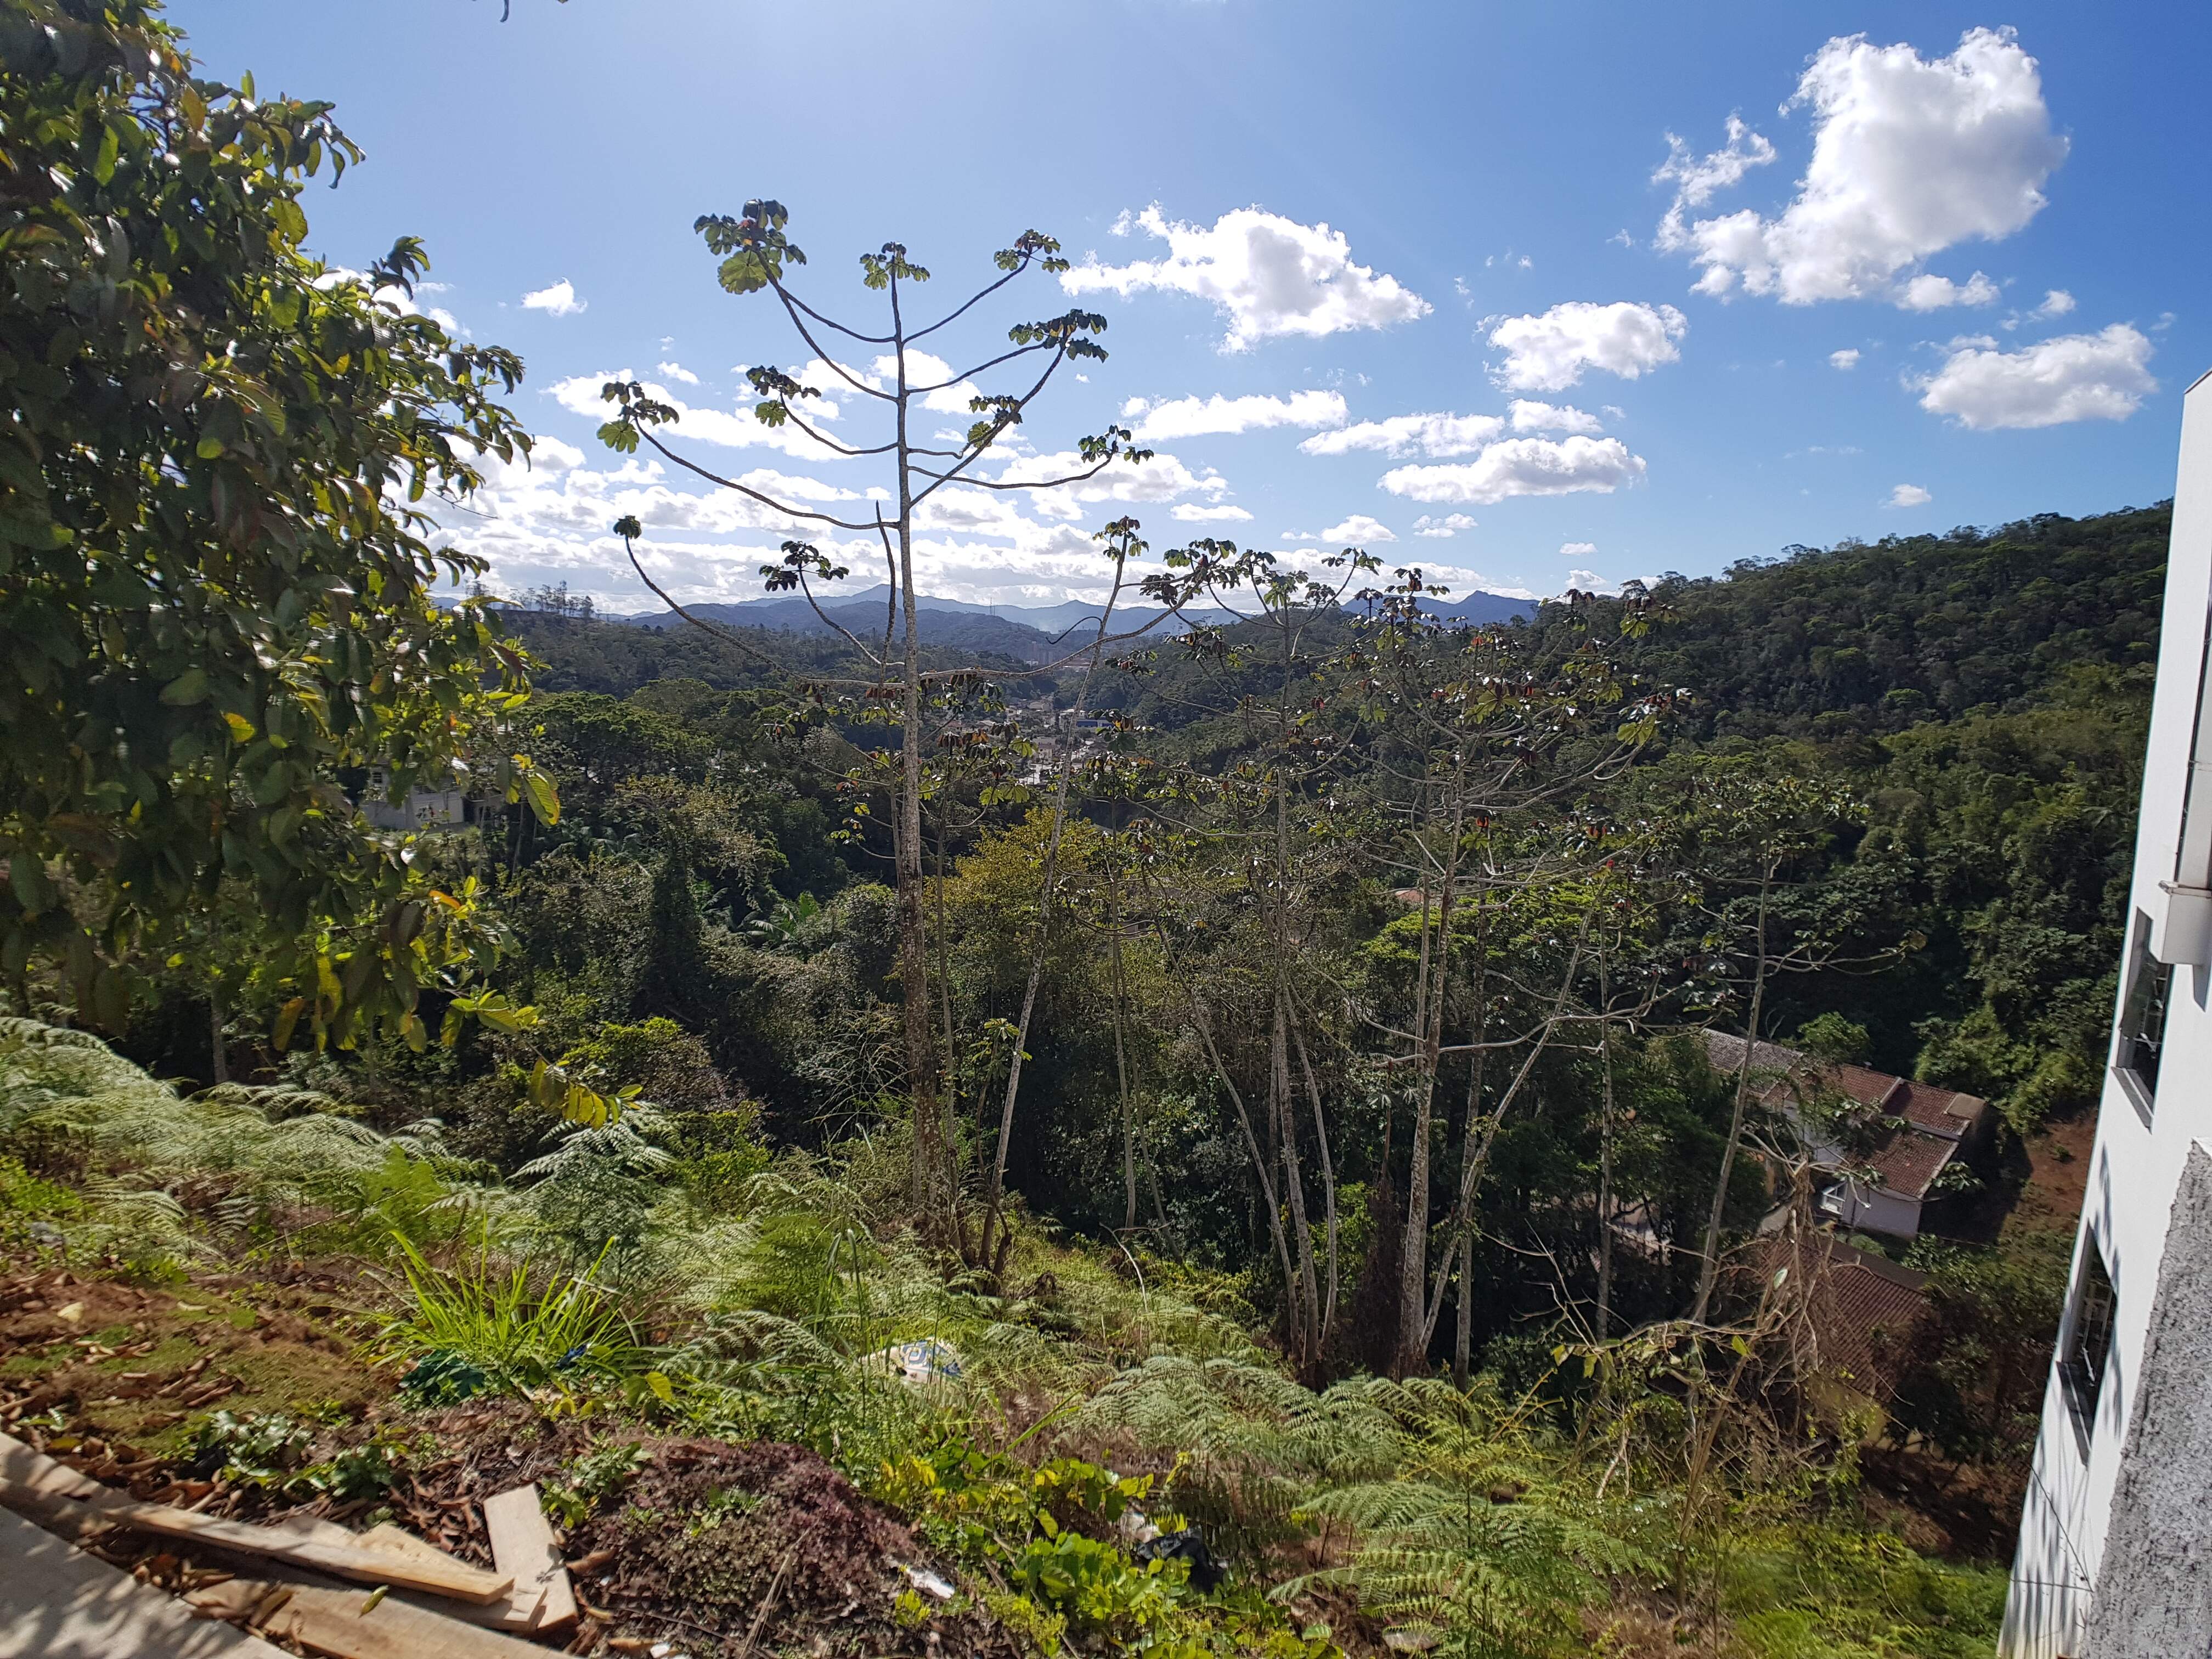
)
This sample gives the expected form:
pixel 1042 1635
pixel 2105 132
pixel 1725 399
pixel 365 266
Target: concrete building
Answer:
pixel 2115 1559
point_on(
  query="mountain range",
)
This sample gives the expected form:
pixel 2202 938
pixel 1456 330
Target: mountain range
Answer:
pixel 1027 632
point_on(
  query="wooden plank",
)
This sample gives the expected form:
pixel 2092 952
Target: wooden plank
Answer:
pixel 518 1613
pixel 329 1620
pixel 30 1475
pixel 57 1602
pixel 522 1544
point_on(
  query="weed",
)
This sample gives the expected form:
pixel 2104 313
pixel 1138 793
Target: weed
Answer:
pixel 594 1478
pixel 478 1322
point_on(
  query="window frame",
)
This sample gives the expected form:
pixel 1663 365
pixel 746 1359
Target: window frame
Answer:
pixel 2092 1317
pixel 2142 1010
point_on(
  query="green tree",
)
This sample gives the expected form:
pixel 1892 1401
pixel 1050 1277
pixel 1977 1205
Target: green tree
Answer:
pixel 217 580
pixel 758 257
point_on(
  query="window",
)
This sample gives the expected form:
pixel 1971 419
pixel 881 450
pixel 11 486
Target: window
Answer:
pixel 2089 1344
pixel 2142 1016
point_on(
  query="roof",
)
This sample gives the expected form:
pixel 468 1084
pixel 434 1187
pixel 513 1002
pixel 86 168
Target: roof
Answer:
pixel 1866 1311
pixel 1908 1159
pixel 1926 1105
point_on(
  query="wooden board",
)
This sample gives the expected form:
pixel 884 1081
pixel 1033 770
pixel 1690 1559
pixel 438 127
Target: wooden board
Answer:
pixel 32 1476
pixel 57 1602
pixel 522 1546
pixel 518 1613
pixel 329 1620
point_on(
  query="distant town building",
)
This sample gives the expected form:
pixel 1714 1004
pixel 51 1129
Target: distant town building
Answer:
pixel 423 809
pixel 2115 1557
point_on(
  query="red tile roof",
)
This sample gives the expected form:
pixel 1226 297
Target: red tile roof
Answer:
pixel 1865 1312
pixel 1785 1071
pixel 1908 1159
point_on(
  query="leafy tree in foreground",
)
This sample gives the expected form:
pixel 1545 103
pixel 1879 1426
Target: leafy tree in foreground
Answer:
pixel 757 256
pixel 213 604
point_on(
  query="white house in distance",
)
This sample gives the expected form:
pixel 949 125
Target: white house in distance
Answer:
pixel 2115 1559
pixel 1912 1132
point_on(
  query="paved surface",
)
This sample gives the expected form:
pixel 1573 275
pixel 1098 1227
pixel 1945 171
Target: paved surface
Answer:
pixel 57 1602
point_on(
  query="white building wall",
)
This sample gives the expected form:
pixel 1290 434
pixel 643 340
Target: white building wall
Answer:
pixel 2137 1162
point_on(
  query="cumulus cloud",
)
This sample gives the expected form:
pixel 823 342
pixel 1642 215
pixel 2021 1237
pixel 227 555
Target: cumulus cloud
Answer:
pixel 1443 528
pixel 1847 358
pixel 1163 478
pixel 725 428
pixel 1194 418
pixel 1550 351
pixel 1908 495
pixel 559 299
pixel 945 395
pixel 1576 549
pixel 1359 528
pixel 1191 512
pixel 1910 157
pixel 2057 303
pixel 1930 293
pixel 1408 434
pixel 1268 275
pixel 1522 466
pixel 2073 377
pixel 678 371
pixel 1528 416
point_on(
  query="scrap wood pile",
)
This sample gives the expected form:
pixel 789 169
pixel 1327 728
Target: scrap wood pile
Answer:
pixel 378 1595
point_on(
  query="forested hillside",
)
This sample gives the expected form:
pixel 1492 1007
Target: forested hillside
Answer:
pixel 1204 1145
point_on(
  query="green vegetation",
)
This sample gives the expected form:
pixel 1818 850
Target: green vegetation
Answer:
pixel 1236 1100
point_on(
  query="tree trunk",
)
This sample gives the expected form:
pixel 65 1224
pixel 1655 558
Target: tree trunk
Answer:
pixel 930 1175
pixel 221 1050
pixel 1605 1155
pixel 1709 1265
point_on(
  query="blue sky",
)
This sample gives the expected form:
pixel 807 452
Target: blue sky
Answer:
pixel 1946 266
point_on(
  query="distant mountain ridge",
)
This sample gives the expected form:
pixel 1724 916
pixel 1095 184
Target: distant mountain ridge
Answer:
pixel 1030 633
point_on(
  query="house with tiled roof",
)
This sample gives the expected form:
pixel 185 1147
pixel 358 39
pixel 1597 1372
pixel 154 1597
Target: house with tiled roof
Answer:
pixel 1886 1140
pixel 1867 1316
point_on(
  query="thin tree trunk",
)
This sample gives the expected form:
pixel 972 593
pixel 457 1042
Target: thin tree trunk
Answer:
pixel 1278 1087
pixel 1120 1058
pixel 1463 1334
pixel 1327 1184
pixel 215 1034
pixel 1605 1153
pixel 1709 1265
pixel 930 1178
pixel 1436 976
pixel 991 1214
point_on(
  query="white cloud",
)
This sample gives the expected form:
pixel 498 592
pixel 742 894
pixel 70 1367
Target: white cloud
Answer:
pixel 1194 418
pixel 1269 276
pixel 1191 512
pixel 1359 528
pixel 1576 549
pixel 946 395
pixel 1443 528
pixel 559 299
pixel 2072 377
pixel 2056 303
pixel 1847 358
pixel 1406 434
pixel 1529 416
pixel 727 428
pixel 1929 293
pixel 1698 179
pixel 1522 466
pixel 1549 352
pixel 1160 479
pixel 678 371
pixel 1588 581
pixel 1910 157
pixel 1908 495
